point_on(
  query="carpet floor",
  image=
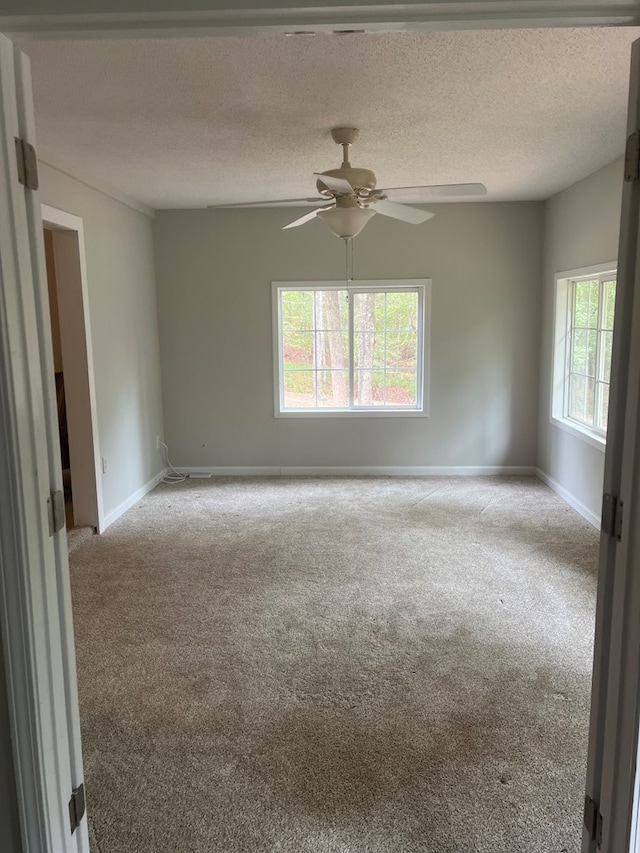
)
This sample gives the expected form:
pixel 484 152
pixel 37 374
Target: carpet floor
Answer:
pixel 337 665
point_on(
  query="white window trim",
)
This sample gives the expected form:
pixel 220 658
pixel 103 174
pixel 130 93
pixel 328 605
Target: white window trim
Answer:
pixel 424 285
pixel 562 281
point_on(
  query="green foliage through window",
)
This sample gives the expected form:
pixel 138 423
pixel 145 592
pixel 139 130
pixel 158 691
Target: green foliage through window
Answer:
pixel 590 337
pixel 350 349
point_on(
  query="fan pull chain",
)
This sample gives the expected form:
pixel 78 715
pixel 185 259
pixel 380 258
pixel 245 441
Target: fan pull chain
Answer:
pixel 348 273
pixel 346 263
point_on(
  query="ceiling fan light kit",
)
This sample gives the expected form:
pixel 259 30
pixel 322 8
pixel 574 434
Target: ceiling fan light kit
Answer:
pixel 349 198
pixel 346 222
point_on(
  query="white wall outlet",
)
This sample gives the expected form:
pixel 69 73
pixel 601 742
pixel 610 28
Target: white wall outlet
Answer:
pixel 157 442
pixel 104 465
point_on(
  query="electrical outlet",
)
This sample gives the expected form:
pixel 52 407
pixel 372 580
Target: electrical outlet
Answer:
pixel 157 442
pixel 104 465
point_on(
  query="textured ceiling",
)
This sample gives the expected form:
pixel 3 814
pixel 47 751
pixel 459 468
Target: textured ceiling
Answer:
pixel 192 122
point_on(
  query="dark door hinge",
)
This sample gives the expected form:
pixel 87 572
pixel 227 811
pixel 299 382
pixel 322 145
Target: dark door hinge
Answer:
pixel 612 510
pixel 77 807
pixel 593 820
pixel 27 164
pixel 632 158
pixel 55 508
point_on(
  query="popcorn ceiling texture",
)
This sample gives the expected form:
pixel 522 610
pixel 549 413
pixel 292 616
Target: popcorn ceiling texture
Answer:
pixel 337 665
pixel 191 122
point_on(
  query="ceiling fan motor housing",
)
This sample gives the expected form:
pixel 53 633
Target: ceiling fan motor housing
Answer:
pixel 362 180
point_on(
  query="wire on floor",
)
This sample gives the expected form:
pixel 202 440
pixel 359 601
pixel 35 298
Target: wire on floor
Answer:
pixel 172 475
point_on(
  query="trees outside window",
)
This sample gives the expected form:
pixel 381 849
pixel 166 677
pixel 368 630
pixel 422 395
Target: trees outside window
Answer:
pixel 350 349
pixel 590 333
pixel 584 315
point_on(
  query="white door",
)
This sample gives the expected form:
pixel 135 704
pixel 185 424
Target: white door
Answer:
pixel 613 746
pixel 35 604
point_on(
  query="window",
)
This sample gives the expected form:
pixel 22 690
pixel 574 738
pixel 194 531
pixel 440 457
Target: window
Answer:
pixel 585 306
pixel 350 350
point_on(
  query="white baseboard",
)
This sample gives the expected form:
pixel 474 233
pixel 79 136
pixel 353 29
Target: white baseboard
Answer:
pixel 115 514
pixel 231 471
pixel 359 471
pixel 572 500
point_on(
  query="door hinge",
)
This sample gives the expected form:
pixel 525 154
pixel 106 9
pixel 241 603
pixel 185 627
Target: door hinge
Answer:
pixel 55 508
pixel 612 510
pixel 593 820
pixel 77 807
pixel 632 158
pixel 27 164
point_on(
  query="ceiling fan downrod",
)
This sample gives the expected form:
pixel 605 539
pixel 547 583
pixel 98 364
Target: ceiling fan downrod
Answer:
pixel 345 136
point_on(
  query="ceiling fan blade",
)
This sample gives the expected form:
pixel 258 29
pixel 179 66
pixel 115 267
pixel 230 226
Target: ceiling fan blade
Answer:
pixel 337 185
pixel 284 202
pixel 416 195
pixel 402 211
pixel 306 218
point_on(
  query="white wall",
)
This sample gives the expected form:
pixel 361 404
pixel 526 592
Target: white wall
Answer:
pixel 123 314
pixel 581 228
pixel 214 270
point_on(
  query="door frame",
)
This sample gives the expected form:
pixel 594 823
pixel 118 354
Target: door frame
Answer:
pixel 82 414
pixel 199 18
pixel 170 18
pixel 613 736
pixel 35 599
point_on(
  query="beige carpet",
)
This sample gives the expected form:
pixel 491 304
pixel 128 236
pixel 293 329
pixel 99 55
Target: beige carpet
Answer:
pixel 77 536
pixel 338 665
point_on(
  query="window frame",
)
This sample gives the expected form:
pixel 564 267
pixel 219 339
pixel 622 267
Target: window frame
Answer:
pixel 561 362
pixel 423 288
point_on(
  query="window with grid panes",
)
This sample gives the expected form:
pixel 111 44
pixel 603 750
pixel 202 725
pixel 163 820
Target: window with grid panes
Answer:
pixel 590 314
pixel 345 350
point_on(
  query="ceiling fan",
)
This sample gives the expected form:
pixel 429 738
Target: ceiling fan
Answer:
pixel 349 198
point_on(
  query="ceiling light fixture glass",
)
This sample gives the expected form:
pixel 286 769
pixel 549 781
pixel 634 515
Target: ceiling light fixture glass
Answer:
pixel 346 222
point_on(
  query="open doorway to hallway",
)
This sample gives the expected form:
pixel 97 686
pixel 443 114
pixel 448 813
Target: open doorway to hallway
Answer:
pixel 70 333
pixel 58 367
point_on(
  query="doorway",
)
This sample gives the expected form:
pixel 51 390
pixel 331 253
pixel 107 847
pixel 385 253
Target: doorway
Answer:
pixel 58 367
pixel 74 382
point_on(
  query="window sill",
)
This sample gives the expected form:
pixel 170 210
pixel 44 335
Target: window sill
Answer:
pixel 352 413
pixel 583 434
